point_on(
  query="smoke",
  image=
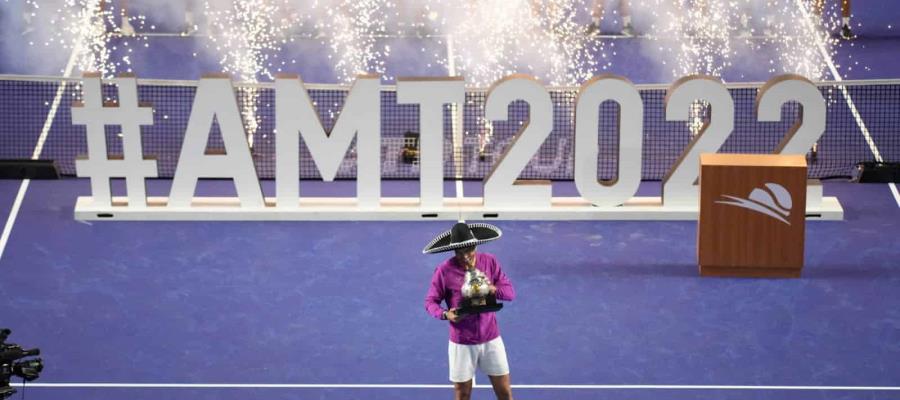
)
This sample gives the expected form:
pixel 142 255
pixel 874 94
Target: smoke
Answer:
pixel 162 15
pixel 733 39
pixel 495 38
pixel 486 39
pixel 40 36
pixel 352 27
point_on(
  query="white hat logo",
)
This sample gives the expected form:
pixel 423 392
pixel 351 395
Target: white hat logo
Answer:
pixel 774 202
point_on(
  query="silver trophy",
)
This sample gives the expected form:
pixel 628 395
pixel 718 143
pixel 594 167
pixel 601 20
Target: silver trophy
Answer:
pixel 476 293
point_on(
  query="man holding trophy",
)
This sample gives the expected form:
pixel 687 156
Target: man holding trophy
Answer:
pixel 471 283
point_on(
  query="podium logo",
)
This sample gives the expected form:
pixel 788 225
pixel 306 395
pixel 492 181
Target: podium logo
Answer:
pixel 773 200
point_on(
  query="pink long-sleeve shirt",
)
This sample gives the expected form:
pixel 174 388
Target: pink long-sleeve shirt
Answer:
pixel 445 287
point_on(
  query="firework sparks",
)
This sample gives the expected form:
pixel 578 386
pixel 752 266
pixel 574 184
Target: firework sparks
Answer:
pixel 353 28
pixel 706 36
pixel 248 34
pixel 494 37
pixel 81 26
pixel 541 38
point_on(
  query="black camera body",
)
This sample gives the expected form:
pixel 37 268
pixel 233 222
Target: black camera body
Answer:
pixel 13 363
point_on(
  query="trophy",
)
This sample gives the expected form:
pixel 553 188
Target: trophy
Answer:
pixel 476 293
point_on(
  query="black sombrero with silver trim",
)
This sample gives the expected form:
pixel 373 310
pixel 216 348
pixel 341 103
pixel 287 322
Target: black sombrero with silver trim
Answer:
pixel 463 235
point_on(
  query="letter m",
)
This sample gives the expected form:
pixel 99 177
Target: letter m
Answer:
pixel 360 117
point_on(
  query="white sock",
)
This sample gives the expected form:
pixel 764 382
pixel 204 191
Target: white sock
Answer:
pixel 596 20
pixel 626 20
pixel 846 21
pixel 189 18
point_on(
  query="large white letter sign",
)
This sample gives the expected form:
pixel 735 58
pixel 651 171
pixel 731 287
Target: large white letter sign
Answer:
pixel 215 100
pixel 130 116
pixel 505 195
pixel 804 133
pixel 502 188
pixel 431 94
pixel 680 183
pixel 631 138
pixel 360 117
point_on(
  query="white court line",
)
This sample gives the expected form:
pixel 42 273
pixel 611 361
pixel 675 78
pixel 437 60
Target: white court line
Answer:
pixel 38 148
pixel 11 219
pixel 439 386
pixel 893 187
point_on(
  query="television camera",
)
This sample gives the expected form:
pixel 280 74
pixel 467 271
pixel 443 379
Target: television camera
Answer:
pixel 14 361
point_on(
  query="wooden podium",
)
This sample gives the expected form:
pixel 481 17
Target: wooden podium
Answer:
pixel 752 215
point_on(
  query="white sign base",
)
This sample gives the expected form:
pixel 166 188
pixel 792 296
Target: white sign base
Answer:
pixel 405 209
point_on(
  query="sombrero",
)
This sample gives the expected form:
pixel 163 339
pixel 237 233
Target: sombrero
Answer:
pixel 463 235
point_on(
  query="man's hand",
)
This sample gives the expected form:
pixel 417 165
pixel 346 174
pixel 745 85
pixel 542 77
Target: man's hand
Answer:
pixel 493 289
pixel 452 316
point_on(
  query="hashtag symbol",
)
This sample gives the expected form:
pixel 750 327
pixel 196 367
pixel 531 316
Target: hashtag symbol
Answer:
pixel 98 166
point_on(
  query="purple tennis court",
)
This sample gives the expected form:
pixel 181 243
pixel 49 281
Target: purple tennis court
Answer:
pixel 299 307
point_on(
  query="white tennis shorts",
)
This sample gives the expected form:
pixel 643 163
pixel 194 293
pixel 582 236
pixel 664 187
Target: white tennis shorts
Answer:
pixel 490 357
